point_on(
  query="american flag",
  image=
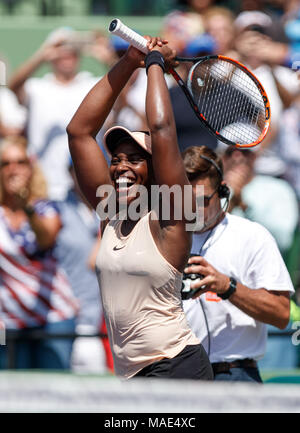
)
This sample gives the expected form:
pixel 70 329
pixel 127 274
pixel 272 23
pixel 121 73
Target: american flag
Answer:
pixel 33 290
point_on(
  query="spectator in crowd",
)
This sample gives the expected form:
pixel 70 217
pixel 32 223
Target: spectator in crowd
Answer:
pixel 267 200
pixel 244 283
pixel 275 49
pixel 196 6
pixel 276 14
pixel 74 245
pixel 51 102
pixel 283 48
pixel 289 144
pixel 282 9
pixel 278 81
pixel 181 26
pixel 219 23
pixel 12 114
pixel 34 291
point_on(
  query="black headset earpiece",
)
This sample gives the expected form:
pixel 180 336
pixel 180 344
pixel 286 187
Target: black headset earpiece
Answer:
pixel 223 190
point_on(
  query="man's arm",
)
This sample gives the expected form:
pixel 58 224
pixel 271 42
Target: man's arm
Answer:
pixel 272 307
pixel 17 81
pixel 46 53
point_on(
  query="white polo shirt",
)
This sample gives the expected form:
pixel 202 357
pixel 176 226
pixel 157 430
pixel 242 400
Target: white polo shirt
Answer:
pixel 246 251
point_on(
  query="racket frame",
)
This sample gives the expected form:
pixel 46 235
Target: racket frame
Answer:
pixel 202 118
pixel 118 28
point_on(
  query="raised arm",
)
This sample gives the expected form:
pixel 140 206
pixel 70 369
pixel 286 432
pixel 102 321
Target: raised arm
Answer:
pixel 167 161
pixel 25 71
pixel 48 52
pixel 171 235
pixel 89 162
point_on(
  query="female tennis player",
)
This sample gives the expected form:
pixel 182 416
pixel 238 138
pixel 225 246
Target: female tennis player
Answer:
pixel 139 264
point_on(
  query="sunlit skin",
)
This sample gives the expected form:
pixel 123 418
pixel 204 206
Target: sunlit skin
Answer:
pixel 171 237
pixel 15 173
pixel 15 176
pixel 222 30
pixel 130 161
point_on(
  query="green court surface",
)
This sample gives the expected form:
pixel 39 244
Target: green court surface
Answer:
pixel 281 376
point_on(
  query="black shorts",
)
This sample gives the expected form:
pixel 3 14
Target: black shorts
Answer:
pixel 191 363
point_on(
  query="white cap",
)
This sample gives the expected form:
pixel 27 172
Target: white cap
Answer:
pixel 250 18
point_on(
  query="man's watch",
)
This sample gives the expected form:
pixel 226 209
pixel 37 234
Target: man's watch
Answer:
pixel 230 290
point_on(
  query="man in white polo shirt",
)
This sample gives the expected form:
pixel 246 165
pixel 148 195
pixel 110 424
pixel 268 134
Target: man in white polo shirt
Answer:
pixel 245 283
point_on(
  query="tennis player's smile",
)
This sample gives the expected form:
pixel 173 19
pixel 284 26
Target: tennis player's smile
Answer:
pixel 124 183
pixel 128 170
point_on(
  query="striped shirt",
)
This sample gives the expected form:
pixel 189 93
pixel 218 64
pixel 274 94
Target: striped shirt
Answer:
pixel 33 288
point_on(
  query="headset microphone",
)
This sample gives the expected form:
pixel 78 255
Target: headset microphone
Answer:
pixel 215 218
pixel 223 192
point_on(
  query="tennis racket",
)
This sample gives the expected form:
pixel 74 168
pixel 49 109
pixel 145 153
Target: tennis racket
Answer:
pixel 224 94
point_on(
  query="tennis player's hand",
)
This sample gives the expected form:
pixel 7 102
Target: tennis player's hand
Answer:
pixel 168 53
pixel 214 281
pixel 137 57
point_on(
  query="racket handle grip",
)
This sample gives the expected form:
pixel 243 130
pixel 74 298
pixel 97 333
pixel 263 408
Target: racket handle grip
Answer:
pixel 119 29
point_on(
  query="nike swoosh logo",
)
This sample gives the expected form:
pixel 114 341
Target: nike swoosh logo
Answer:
pixel 118 248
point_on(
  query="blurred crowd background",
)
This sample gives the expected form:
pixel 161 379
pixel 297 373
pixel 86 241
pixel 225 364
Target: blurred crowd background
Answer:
pixel 52 52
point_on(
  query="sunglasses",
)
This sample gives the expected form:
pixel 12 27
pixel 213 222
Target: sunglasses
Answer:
pixel 207 198
pixel 20 162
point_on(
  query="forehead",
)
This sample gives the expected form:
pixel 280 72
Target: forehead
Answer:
pixel 203 181
pixel 219 21
pixel 239 154
pixel 68 51
pixel 12 151
pixel 128 147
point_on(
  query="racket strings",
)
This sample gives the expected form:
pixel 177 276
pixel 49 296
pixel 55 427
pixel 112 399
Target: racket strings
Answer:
pixel 229 100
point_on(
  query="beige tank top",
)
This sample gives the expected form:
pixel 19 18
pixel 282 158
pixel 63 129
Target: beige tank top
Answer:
pixel 141 299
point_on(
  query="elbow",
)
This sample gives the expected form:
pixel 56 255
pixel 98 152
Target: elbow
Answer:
pixel 12 86
pixel 283 323
pixel 160 128
pixel 283 320
pixel 159 121
pixel 73 134
pixel 71 131
pixel 77 133
pixel 19 93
